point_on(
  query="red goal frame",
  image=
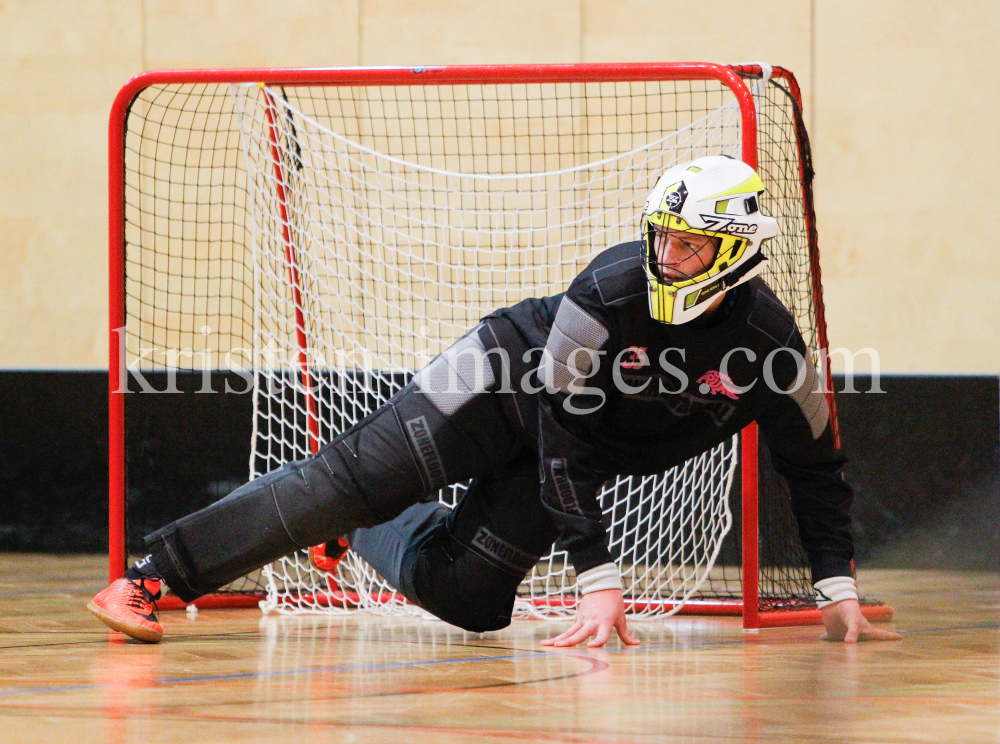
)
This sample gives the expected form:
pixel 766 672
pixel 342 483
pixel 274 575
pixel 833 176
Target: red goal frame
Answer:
pixel 729 75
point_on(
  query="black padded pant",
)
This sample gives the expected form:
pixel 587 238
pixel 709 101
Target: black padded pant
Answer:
pixel 462 565
pixel 465 564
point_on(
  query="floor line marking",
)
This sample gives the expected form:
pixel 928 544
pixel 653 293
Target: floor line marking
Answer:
pixel 569 652
pixel 281 673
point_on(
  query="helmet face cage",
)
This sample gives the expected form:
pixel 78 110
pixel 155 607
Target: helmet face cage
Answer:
pixel 728 249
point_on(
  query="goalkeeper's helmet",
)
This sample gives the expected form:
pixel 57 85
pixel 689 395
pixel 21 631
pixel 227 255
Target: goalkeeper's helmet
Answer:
pixel 717 197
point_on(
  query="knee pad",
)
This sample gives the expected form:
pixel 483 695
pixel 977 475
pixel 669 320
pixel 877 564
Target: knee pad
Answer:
pixel 375 464
pixel 317 501
pixel 285 510
pixel 461 587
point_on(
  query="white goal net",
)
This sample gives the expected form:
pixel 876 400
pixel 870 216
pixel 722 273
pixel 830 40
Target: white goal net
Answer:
pixel 386 261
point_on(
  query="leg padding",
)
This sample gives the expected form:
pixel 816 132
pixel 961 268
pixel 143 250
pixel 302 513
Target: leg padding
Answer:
pixel 468 570
pixel 287 509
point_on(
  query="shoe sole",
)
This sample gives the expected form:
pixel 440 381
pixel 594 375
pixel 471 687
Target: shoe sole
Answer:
pixel 133 630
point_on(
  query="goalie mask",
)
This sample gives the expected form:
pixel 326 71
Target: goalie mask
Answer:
pixel 702 229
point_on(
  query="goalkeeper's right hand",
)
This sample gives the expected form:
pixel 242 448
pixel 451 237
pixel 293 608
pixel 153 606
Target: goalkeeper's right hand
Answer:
pixel 596 615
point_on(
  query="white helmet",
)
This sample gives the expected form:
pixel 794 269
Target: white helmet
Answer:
pixel 714 196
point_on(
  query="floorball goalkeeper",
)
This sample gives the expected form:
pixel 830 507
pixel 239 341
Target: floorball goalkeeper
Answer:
pixel 659 349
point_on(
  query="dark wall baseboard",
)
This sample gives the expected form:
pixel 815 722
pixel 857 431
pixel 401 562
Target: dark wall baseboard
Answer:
pixel 925 466
pixel 54 461
pixel 924 462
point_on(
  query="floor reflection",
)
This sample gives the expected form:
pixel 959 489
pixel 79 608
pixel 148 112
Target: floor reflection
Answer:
pixel 411 672
pixel 234 676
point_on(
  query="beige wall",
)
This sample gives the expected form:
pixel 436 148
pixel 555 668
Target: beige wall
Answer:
pixel 907 120
pixel 899 96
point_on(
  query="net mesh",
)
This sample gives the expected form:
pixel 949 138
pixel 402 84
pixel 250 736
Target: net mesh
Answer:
pixel 356 232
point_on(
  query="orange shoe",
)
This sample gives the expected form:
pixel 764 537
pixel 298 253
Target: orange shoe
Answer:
pixel 127 606
pixel 326 556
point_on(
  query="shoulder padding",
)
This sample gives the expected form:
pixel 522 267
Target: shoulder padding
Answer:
pixel 622 279
pixel 769 316
pixel 573 331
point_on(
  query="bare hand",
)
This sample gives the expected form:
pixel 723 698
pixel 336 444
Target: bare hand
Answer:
pixel 844 622
pixel 596 615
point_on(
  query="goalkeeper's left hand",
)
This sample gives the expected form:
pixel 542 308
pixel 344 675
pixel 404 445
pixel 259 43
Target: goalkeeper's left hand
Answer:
pixel 844 622
pixel 597 614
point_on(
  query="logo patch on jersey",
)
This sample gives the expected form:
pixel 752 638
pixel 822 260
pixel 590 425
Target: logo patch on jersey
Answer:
pixel 680 404
pixel 427 451
pixel 636 358
pixel 717 384
pixel 503 552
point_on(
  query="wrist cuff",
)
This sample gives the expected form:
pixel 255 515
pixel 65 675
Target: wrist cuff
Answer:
pixel 605 576
pixel 834 589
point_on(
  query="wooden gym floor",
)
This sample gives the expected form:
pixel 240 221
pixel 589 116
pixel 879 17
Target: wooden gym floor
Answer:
pixel 236 676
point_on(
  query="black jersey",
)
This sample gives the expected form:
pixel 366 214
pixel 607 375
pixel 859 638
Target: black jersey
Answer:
pixel 624 393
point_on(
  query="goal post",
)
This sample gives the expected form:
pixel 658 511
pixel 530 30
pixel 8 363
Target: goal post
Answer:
pixel 328 231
